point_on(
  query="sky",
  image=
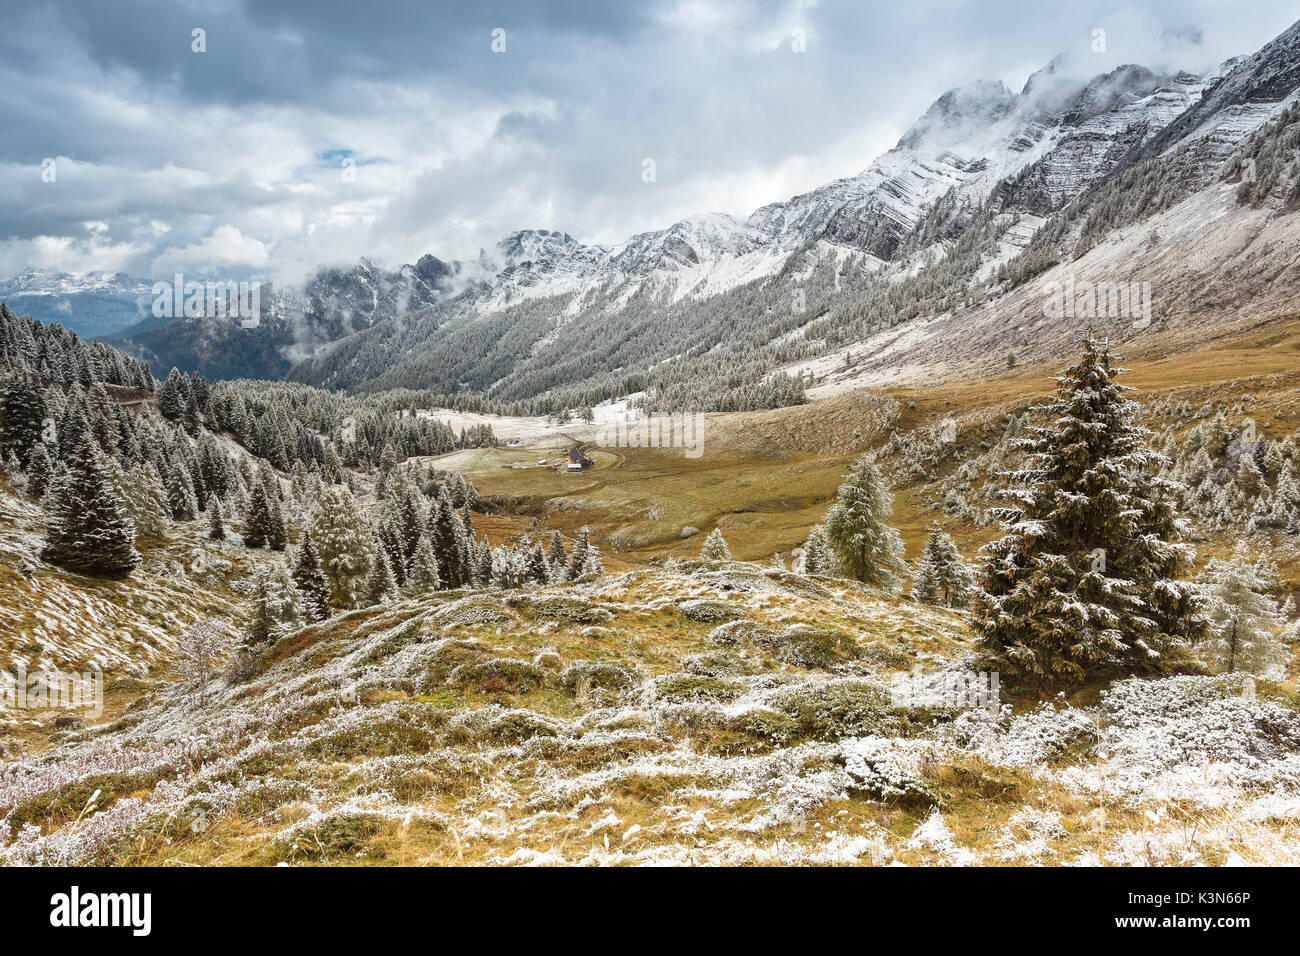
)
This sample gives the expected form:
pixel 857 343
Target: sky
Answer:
pixel 267 138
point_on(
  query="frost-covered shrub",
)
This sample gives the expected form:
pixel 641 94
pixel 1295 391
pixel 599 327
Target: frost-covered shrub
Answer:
pixel 708 611
pixel 394 728
pixel 548 659
pixel 687 687
pixel 499 675
pixel 469 611
pixel 410 777
pixel 1193 720
pixel 721 664
pixel 736 632
pixel 597 674
pixel 330 837
pixel 808 646
pixel 890 769
pixel 1047 734
pixel 831 710
pixel 515 726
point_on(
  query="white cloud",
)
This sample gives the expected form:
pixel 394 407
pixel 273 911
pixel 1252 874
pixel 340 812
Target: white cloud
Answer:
pixel 225 249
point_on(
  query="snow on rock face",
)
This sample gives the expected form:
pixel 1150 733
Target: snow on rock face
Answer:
pixel 1248 92
pixel 971 139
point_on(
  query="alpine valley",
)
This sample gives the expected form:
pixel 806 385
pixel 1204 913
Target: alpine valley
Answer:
pixel 974 540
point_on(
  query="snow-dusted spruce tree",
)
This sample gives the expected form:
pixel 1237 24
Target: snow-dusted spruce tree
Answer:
pixel 578 556
pixel 22 409
pixel 146 499
pixel 216 521
pixel 449 540
pixel 1243 619
pixel 867 548
pixel 422 577
pixel 555 551
pixel 1085 579
pixel 39 471
pixel 257 522
pixel 593 565
pixel 925 580
pixel 198 654
pixel 273 607
pixel 715 548
pixel 381 586
pixel 941 575
pixel 818 558
pixel 87 526
pixel 180 494
pixel 309 578
pixel 342 538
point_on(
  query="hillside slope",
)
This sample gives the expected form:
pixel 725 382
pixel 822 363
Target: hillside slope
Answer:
pixel 731 714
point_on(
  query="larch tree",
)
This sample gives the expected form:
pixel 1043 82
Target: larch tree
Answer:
pixel 941 576
pixel 818 558
pixel 715 548
pixel 1243 619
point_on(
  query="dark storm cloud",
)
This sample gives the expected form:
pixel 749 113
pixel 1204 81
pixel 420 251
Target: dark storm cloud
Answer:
pixel 455 145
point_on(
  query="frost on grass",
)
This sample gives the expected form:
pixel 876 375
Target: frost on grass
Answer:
pixel 490 730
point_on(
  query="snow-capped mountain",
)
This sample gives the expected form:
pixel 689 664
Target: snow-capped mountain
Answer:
pixel 92 304
pixel 293 322
pixel 1062 134
pixel 1026 155
pixel 548 312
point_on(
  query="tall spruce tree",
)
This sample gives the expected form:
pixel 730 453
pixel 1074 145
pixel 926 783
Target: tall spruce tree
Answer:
pixel 448 539
pixel 216 521
pixel 1084 581
pixel 342 538
pixel 380 585
pixel 258 520
pixel 180 494
pixel 423 577
pixel 22 409
pixel 87 528
pixel 309 577
pixel 39 471
pixel 869 550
